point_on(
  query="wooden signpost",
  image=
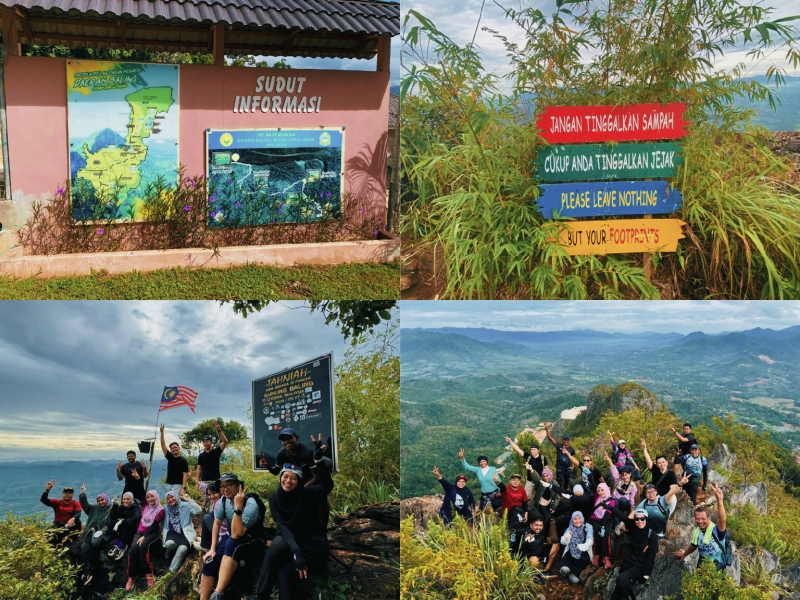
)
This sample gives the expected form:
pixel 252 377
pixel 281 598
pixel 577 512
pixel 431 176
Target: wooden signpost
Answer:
pixel 592 199
pixel 586 164
pixel 620 236
pixel 581 124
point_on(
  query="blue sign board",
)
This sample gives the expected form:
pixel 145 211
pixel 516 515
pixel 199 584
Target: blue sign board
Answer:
pixel 604 198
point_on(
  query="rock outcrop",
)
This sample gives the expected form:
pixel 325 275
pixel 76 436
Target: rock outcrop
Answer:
pixel 624 397
pixel 751 494
pixel 422 508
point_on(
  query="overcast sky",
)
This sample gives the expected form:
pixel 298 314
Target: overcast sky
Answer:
pixel 620 316
pixel 458 19
pixel 83 380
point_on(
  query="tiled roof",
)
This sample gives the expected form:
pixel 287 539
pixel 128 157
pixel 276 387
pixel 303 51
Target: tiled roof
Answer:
pixel 346 27
pixel 394 108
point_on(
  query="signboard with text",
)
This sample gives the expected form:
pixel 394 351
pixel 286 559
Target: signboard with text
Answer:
pixel 620 236
pixel 300 397
pixel 591 199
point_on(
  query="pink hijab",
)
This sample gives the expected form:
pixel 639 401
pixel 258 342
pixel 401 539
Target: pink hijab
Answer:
pixel 599 509
pixel 150 513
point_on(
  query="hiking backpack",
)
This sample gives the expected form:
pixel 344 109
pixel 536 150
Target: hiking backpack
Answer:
pixel 257 530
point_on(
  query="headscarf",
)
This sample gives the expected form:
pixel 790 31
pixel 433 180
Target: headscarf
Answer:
pixel 578 534
pixel 133 500
pixel 640 538
pixel 546 470
pixel 174 512
pixel 289 503
pixel 105 496
pixel 149 513
pixel 599 509
pixel 577 488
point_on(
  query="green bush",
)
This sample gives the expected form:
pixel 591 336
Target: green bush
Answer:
pixel 709 584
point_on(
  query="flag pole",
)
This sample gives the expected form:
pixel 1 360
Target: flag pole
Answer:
pixel 153 447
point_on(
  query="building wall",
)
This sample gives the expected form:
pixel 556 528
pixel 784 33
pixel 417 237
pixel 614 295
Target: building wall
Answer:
pixel 36 97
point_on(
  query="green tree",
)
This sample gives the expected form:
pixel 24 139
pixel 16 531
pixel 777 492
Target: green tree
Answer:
pixel 193 439
pixel 29 568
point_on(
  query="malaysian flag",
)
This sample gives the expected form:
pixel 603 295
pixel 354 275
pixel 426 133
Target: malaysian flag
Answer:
pixel 177 396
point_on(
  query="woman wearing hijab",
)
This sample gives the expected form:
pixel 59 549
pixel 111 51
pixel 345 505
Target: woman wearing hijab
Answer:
pixel 602 518
pixel 148 532
pixel 178 532
pixel 122 524
pixel 577 541
pixel 640 558
pixel 301 535
pixel 94 534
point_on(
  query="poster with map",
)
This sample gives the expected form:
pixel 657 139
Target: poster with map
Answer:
pixel 123 135
pixel 265 176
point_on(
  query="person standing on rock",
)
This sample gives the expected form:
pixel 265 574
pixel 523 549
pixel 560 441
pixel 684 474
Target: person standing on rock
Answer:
pixel 490 493
pixel 641 556
pixel 622 457
pixel 94 534
pixel 659 508
pixel 542 503
pixel 577 542
pixel 533 458
pixel 624 489
pixel 695 467
pixel 662 477
pixel 208 462
pixel 708 538
pixel 177 467
pixel 134 473
pixel 563 463
pixel 534 546
pixel 685 442
pixel 458 495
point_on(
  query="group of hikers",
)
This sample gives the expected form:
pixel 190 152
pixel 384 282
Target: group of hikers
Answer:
pixel 232 519
pixel 586 506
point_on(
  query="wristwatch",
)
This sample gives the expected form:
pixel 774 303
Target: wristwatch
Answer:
pixel 236 511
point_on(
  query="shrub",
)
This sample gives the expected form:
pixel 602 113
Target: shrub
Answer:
pixel 709 584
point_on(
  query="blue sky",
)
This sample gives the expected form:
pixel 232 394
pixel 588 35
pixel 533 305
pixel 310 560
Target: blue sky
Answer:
pixel 713 316
pixel 490 14
pixel 85 378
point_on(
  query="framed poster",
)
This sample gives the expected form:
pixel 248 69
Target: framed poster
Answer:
pixel 268 176
pixel 299 397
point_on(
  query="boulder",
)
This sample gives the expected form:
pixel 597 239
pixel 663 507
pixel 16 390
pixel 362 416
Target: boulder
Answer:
pixel 722 458
pixel 715 476
pixel 751 494
pixel 790 577
pixel 422 508
pixel 768 561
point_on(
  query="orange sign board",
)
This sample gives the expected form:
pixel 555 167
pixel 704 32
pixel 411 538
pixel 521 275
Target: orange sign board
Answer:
pixel 621 236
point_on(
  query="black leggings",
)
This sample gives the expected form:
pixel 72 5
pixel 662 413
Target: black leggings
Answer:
pixel 603 542
pixel 90 552
pixel 691 491
pixel 278 568
pixel 124 534
pixel 625 583
pixel 139 555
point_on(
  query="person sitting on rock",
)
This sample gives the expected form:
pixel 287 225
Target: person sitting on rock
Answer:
pixel 622 457
pixel 577 541
pixel 94 534
pixel 534 458
pixel 708 538
pixel 67 514
pixel 659 508
pixel 458 496
pixel 148 532
pixel 579 500
pixel 213 495
pixel 543 502
pixel 602 519
pixel 534 546
pixel 590 475
pixel 641 555
pixel 301 537
pixel 178 532
pixel 685 442
pixel 123 521
pixel 624 490
pixel 490 493
pixel 662 476
pixel 695 467
pixel 563 463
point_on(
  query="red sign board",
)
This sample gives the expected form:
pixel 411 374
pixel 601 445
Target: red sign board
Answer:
pixel 568 124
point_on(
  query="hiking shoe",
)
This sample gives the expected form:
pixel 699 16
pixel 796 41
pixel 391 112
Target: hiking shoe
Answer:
pixel 618 528
pixel 129 584
pixel 113 552
pixel 151 581
pixel 215 595
pixel 607 562
pixel 574 580
pixel 596 560
pixel 120 553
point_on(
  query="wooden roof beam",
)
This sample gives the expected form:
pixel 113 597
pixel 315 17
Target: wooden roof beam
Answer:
pixel 26 26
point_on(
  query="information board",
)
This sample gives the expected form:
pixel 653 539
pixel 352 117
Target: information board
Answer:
pixel 266 176
pixel 300 397
pixel 591 199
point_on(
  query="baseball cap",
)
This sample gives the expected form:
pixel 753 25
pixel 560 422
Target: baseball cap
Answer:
pixel 208 437
pixel 694 447
pixel 535 446
pixel 517 475
pixel 68 489
pixel 620 442
pixel 288 431
pixel 650 486
pixel 566 437
pixel 228 477
pixel 460 477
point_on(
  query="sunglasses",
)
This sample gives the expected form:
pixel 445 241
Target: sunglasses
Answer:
pixel 587 460
pixel 640 518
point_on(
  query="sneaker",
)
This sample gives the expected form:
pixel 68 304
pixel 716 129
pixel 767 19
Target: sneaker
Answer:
pixel 618 528
pixel 88 579
pixel 215 595
pixel 113 552
pixel 573 579
pixel 120 553
pixel 607 562
pixel 596 560
pixel 129 584
pixel 151 581
pixel 197 546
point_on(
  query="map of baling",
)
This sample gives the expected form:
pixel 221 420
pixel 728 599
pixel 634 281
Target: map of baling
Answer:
pixel 123 135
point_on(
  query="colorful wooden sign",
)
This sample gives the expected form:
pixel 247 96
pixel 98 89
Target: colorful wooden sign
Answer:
pixel 581 124
pixel 606 198
pixel 584 162
pixel 621 236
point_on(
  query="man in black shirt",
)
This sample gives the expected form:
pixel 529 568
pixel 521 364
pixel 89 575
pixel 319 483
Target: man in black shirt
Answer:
pixel 295 453
pixel 685 443
pixel 208 461
pixel 534 458
pixel 134 474
pixel 662 478
pixel 563 462
pixel 535 548
pixel 177 466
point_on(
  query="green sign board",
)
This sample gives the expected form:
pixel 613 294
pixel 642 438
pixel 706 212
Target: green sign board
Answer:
pixel 584 162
